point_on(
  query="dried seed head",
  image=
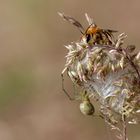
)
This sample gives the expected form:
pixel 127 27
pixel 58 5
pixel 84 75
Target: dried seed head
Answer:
pixel 110 73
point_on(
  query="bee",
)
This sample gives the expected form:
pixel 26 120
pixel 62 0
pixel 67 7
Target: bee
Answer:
pixel 93 35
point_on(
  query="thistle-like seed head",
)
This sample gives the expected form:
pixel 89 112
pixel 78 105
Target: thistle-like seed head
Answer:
pixel 110 73
pixel 107 73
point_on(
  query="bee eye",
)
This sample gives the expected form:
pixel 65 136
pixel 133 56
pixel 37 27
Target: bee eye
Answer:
pixel 88 37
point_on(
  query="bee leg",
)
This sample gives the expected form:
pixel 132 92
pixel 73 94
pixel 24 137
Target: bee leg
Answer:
pixel 63 88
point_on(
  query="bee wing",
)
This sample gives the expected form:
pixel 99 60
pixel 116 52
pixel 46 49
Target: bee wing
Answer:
pixel 109 32
pixel 89 20
pixel 73 21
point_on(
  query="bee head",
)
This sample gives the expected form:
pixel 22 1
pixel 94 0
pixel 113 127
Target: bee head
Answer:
pixel 90 32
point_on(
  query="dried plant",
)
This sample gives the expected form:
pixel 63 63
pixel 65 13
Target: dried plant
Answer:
pixel 106 71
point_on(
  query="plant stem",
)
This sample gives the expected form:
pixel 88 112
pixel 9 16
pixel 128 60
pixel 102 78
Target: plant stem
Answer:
pixel 124 133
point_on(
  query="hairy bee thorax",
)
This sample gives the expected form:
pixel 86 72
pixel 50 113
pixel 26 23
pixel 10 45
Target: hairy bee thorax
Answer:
pixel 95 35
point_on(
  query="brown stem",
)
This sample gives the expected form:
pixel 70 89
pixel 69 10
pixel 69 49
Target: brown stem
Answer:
pixel 124 133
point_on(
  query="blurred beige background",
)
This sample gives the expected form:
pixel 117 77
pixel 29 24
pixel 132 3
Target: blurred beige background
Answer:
pixel 32 39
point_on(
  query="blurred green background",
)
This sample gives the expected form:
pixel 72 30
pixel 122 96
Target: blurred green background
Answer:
pixel 32 39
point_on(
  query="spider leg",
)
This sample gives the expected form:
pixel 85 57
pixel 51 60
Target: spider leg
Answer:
pixel 63 88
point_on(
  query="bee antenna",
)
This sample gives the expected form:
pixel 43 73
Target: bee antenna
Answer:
pixel 72 21
pixel 90 20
